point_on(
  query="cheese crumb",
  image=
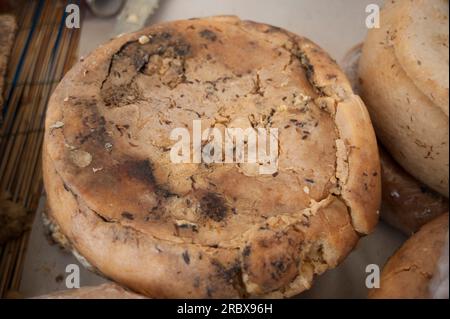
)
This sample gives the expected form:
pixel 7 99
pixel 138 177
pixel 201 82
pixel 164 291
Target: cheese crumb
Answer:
pixel 57 124
pixel 143 39
pixel 132 18
pixel 282 108
pixel 108 146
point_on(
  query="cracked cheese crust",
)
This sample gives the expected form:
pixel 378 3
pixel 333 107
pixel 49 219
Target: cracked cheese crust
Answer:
pixel 196 230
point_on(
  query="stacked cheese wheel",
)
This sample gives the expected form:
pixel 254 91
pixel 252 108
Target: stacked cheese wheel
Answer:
pixel 404 80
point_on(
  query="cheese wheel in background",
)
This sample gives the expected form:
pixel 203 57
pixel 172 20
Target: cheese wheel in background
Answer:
pixel 407 204
pixel 409 272
pixel 403 79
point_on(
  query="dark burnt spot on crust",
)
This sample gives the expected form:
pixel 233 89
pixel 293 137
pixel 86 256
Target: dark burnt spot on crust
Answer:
pixel 140 170
pixel 247 251
pixel 93 128
pixel 143 171
pixel 208 35
pixel 127 215
pixel 270 259
pixel 232 275
pixel 280 266
pixel 213 207
pixel 228 274
pixel 182 49
pixel 186 257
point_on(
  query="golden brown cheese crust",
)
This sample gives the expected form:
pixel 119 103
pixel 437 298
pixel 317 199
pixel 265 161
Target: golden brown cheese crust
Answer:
pixel 408 273
pixel 195 230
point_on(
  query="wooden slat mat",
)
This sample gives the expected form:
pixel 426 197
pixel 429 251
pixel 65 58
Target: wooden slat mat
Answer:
pixel 43 52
